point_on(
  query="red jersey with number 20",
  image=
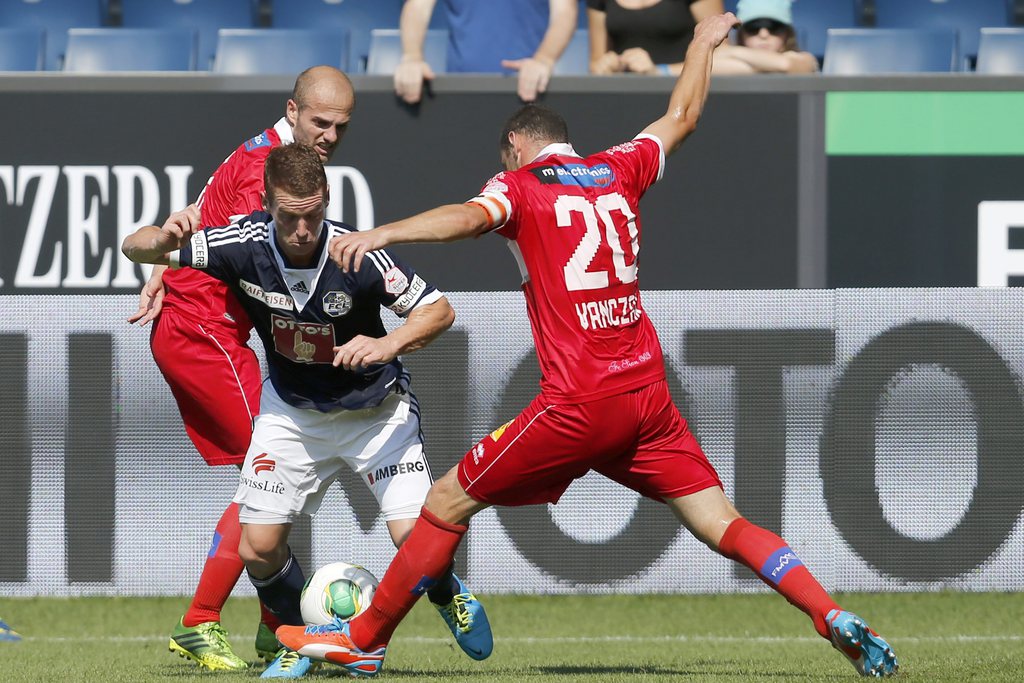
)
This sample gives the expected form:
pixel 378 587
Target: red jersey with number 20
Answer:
pixel 573 225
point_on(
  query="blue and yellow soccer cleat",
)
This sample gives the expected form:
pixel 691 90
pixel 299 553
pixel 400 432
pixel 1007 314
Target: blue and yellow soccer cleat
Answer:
pixel 8 634
pixel 468 622
pixel 866 650
pixel 332 643
pixel 267 646
pixel 207 645
pixel 288 664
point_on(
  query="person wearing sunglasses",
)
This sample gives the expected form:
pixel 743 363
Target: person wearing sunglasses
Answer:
pixel 643 36
pixel 766 42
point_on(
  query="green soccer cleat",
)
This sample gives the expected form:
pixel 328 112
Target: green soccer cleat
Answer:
pixel 266 643
pixel 206 645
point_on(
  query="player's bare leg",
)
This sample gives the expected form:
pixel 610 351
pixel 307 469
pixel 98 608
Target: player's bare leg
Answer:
pixel 713 519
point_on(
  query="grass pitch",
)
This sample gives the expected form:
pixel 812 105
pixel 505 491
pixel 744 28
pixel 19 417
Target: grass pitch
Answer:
pixel 937 636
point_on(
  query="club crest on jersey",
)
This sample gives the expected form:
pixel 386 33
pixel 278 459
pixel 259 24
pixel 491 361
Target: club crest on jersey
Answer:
pixel 337 304
pixel 395 281
pixel 575 174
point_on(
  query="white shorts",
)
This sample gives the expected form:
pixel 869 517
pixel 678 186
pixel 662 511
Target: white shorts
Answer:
pixel 296 454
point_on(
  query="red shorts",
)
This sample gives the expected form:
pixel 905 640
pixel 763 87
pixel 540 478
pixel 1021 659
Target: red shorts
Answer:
pixel 215 378
pixel 636 438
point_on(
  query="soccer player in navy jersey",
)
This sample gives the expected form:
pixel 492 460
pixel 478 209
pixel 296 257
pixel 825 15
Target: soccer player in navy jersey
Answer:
pixel 574 226
pixel 338 393
pixel 216 385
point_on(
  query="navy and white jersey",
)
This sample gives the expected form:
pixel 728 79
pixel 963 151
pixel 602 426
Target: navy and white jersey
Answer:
pixel 301 314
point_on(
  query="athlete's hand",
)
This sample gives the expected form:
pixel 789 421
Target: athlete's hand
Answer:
pixel 348 250
pixel 151 298
pixel 361 352
pixel 179 228
pixel 534 75
pixel 409 77
pixel 715 28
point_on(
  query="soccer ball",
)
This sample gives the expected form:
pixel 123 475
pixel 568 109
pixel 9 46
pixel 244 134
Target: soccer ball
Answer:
pixel 336 590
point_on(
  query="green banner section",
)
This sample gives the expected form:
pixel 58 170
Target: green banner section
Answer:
pixel 924 123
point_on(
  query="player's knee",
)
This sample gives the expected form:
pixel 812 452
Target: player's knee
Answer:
pixel 258 546
pixel 448 501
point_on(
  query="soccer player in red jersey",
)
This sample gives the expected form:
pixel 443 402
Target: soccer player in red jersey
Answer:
pixel 573 224
pixel 199 342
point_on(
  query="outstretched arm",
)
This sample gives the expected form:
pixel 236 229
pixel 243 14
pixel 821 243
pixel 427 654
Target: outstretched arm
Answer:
pixel 444 224
pixel 150 244
pixel 691 90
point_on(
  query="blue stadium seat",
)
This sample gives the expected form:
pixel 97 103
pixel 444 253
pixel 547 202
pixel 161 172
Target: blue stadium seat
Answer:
pixel 576 58
pixel 967 17
pixel 130 49
pixel 813 18
pixel 854 51
pixel 386 50
pixel 55 17
pixel 358 17
pixel 1001 51
pixel 278 50
pixel 204 16
pixel 22 49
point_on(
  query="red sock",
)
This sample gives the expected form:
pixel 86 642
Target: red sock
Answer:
pixel 220 573
pixel 425 557
pixel 777 565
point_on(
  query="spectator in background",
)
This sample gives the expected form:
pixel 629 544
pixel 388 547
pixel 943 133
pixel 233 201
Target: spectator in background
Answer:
pixel 767 42
pixel 527 36
pixel 643 36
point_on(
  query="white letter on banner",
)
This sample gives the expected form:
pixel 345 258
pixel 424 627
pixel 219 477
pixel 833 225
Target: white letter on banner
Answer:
pixel 83 224
pixel 126 178
pixel 35 231
pixel 336 176
pixel 996 260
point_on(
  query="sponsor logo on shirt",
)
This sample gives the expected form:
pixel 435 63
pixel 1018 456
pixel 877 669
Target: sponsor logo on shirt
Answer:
pixel 337 304
pixel 478 453
pixel 495 185
pixel 303 342
pixel 300 288
pixel 272 299
pixel 261 140
pixel 575 174
pixel 389 471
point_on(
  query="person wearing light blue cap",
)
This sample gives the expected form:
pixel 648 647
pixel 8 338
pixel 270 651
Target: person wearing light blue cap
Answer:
pixel 767 42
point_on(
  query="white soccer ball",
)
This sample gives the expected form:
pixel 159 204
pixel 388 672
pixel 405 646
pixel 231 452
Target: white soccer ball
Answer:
pixel 339 590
